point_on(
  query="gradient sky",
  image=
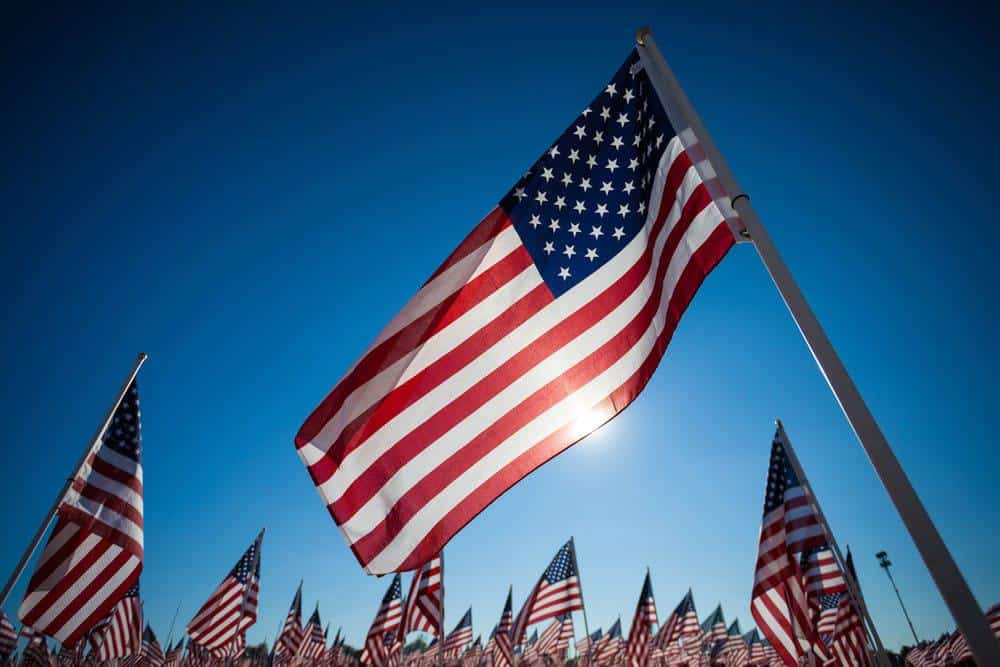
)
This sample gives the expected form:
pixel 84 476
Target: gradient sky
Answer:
pixel 249 194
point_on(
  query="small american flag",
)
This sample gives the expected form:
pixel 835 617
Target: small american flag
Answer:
pixel 313 639
pixel 503 654
pixel 544 323
pixel 121 634
pixel 381 645
pixel 290 639
pixel 94 554
pixel 714 627
pixel 232 607
pixel 172 658
pixel 460 636
pixel 424 609
pixel 8 637
pixel 36 653
pixel 757 656
pixel 682 622
pixel 559 640
pixel 585 646
pixel 790 528
pixel 637 647
pixel 734 644
pixel 557 592
pixel 610 645
pixel 151 654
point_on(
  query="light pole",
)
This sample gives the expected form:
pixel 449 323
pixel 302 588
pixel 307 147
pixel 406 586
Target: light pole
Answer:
pixel 884 563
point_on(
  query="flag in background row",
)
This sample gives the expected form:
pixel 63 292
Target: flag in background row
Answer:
pixel 545 322
pixel 682 622
pixel 557 637
pixel 121 634
pixel 460 636
pixel 557 592
pixel 313 638
pixel 172 658
pixel 232 607
pixel 637 647
pixel 503 653
pixel 151 653
pixel 714 627
pixel 8 637
pixel 424 608
pixel 292 632
pixel 36 652
pixel 94 554
pixel 609 645
pixel 381 644
pixel 585 646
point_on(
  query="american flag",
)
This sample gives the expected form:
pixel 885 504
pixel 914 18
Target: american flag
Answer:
pixel 503 654
pixel 849 642
pixel 71 654
pixel 682 622
pixel 757 656
pixel 234 649
pixel 151 654
pixel 173 655
pixel 36 652
pixel 8 637
pixel 609 645
pixel 474 655
pixel 313 640
pixel 550 635
pixel 529 650
pixel 637 648
pixel 121 635
pixel 290 639
pixel 585 646
pixel 94 554
pixel 790 528
pixel 380 645
pixel 993 616
pixel 557 592
pixel 424 608
pixel 714 627
pixel 232 607
pixel 544 323
pixel 460 636
pixel 559 640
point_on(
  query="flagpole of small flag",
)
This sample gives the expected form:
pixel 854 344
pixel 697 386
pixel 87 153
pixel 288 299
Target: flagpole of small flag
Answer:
pixel 47 521
pixel 852 586
pixel 938 560
pixel 579 583
pixel 170 633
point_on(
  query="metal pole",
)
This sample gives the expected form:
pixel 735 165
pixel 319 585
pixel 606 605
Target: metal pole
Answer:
pixel 942 567
pixel 884 563
pixel 586 626
pixel 170 634
pixel 47 521
pixel 853 589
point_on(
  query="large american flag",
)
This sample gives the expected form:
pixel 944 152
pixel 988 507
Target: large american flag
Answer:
pixel 460 636
pixel 544 323
pixel 637 647
pixel 291 634
pixel 8 637
pixel 232 607
pixel 790 528
pixel 380 645
pixel 94 554
pixel 557 592
pixel 503 653
pixel 121 635
pixel 424 608
pixel 313 642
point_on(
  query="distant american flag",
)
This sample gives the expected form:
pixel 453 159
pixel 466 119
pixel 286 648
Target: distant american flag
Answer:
pixel 151 654
pixel 290 639
pixel 121 635
pixel 714 627
pixel 232 607
pixel 380 645
pixel 503 653
pixel 424 608
pixel 313 642
pixel 639 635
pixel 557 592
pixel 460 636
pixel 682 622
pixel 993 616
pixel 8 637
pixel 544 323
pixel 585 645
pixel 36 652
pixel 609 645
pixel 94 554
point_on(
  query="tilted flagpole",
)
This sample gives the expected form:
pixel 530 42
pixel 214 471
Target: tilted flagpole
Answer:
pixel 852 586
pixel 47 521
pixel 942 567
pixel 579 584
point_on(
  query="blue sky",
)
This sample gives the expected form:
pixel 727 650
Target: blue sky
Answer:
pixel 249 194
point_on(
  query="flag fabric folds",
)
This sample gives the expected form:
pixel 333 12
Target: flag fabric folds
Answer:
pixel 94 554
pixel 313 642
pixel 682 622
pixel 232 607
pixel 460 636
pixel 557 592
pixel 544 323
pixel 292 632
pixel 151 654
pixel 381 645
pixel 637 647
pixel 424 608
pixel 609 645
pixel 121 634
pixel 503 650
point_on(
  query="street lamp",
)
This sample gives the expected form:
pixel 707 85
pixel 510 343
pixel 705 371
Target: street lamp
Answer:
pixel 884 563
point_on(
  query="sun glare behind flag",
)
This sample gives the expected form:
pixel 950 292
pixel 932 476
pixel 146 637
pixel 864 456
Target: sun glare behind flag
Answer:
pixel 558 306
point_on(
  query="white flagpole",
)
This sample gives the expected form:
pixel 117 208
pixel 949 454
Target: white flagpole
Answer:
pixel 952 585
pixel 47 521
pixel 852 585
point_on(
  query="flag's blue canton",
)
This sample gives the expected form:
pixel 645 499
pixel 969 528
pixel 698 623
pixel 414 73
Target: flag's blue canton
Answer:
pixel 780 477
pixel 647 589
pixel 563 566
pixel 734 629
pixel 616 629
pixel 395 591
pixel 466 620
pixel 242 569
pixel 124 435
pixel 586 197
pixel 314 619
pixel 686 606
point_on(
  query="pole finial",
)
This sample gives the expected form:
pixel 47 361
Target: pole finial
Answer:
pixel 640 35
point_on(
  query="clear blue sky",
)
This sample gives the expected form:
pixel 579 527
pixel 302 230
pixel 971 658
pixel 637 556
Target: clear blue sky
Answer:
pixel 248 194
